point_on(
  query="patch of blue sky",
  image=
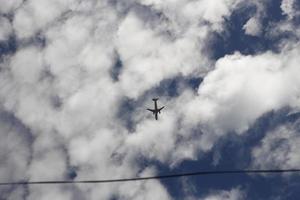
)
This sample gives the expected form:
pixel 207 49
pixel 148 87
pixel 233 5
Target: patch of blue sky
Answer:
pixel 8 46
pixel 233 38
pixel 12 121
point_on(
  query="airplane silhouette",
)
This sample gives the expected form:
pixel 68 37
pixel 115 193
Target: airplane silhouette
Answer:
pixel 156 110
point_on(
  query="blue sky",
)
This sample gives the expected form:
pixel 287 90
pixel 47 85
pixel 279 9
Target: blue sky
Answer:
pixel 76 78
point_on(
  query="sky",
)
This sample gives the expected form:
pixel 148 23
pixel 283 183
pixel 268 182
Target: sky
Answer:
pixel 76 78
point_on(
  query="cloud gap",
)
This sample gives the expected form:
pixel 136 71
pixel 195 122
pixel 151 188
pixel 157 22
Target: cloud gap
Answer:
pixel 116 68
pixel 8 47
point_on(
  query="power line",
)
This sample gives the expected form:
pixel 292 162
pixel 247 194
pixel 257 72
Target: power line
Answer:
pixel 199 173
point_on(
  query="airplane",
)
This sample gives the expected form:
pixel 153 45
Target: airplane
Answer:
pixel 156 110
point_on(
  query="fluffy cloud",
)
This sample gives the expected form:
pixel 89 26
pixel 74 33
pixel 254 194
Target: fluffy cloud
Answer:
pixel 233 194
pixel 59 85
pixel 146 190
pixel 35 15
pixel 242 88
pixel 287 7
pixel 278 149
pixel 170 44
pixel 61 88
pixel 6 29
pixel 25 69
pixel 15 154
pixel 211 11
pixel 235 94
pixel 9 6
pixel 146 55
pixel 50 192
pixel 252 27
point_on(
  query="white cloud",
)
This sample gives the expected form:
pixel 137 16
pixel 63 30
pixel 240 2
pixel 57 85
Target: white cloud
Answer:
pixel 242 88
pixel 63 92
pixel 9 6
pixel 18 193
pixel 37 14
pixel 252 27
pixel 14 155
pixel 235 94
pixel 287 7
pixel 285 27
pixel 149 57
pixel 272 29
pixel 144 140
pixel 211 11
pixel 49 159
pixel 194 11
pixel 49 192
pixel 233 194
pixel 278 149
pixel 5 30
pixel 147 190
pixel 26 65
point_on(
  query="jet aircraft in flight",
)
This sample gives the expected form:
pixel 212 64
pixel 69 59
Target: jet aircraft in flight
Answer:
pixel 156 110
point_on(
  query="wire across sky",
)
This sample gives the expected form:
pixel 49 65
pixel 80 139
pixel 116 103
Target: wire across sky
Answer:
pixel 166 176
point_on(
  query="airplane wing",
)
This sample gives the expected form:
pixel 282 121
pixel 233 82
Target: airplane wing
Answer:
pixel 160 109
pixel 150 110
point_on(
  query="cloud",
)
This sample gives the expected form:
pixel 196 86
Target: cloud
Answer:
pixel 278 149
pixel 15 154
pixel 252 27
pixel 58 84
pixel 34 15
pixel 6 29
pixel 191 11
pixel 287 7
pixel 233 194
pixel 236 93
pixel 9 6
pixel 50 192
pixel 242 88
pixel 146 190
pixel 146 55
pixel 63 91
pixel 24 68
pixel 169 45
pixel 144 140
pixel 263 24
